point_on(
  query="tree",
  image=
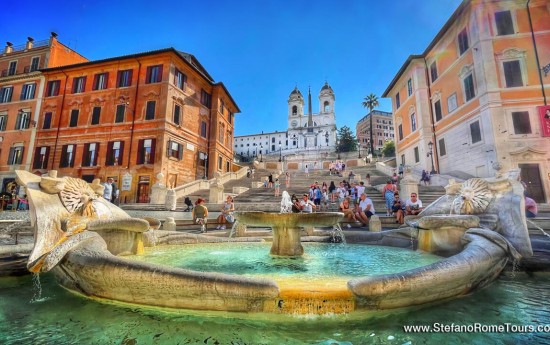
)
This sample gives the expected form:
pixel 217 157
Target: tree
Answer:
pixel 346 140
pixel 389 149
pixel 371 102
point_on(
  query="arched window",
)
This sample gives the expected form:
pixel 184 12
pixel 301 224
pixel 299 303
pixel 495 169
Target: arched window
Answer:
pixel 326 106
pixel 294 110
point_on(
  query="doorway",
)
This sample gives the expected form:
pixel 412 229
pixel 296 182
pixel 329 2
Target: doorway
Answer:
pixel 530 174
pixel 143 189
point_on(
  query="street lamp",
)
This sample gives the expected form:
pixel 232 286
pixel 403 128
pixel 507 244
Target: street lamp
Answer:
pixel 280 152
pixel 326 137
pixel 431 155
pixel 261 149
pixel 205 156
pixel 358 148
pixel 338 146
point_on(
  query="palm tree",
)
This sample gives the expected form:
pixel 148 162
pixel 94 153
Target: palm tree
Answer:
pixel 371 102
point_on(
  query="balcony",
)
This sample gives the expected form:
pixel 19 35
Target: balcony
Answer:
pixel 8 73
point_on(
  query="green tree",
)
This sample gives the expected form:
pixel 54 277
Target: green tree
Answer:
pixel 371 102
pixel 346 140
pixel 389 149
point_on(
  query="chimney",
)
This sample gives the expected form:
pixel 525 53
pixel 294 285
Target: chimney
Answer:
pixel 53 37
pixel 9 48
pixel 29 44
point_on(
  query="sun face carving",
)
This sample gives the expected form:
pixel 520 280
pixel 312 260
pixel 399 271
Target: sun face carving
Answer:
pixel 77 196
pixel 473 197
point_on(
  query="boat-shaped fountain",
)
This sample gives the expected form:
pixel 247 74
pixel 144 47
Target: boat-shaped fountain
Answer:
pixel 82 239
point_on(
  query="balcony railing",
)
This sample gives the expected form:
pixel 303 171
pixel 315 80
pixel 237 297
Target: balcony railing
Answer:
pixel 26 69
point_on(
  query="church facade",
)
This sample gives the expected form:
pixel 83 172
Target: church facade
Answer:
pixel 305 131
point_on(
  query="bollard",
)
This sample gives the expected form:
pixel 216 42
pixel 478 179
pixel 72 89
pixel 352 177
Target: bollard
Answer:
pixel 169 224
pixel 375 225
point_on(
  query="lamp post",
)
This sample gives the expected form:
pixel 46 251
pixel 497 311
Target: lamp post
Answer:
pixel 280 152
pixel 261 149
pixel 205 166
pixel 358 148
pixel 431 155
pixel 338 146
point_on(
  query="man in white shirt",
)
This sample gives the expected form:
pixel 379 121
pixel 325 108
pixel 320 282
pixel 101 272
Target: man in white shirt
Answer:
pixel 413 205
pixel 108 191
pixel 306 205
pixel 365 209
pixel 360 188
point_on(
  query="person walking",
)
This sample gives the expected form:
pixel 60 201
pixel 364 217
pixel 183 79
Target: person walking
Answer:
pixel 200 214
pixel 270 180
pixel 287 179
pixel 277 187
pixel 306 171
pixel 226 214
pixel 388 194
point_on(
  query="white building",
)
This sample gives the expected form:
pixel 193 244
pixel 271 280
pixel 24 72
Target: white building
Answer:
pixel 305 132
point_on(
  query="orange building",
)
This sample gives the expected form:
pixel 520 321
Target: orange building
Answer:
pixel 474 100
pixel 133 117
pixel 21 87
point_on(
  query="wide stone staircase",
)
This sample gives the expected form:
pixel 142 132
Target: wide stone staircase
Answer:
pixel 260 198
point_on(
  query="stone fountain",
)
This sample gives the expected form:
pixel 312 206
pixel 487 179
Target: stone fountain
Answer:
pixel 82 239
pixel 287 226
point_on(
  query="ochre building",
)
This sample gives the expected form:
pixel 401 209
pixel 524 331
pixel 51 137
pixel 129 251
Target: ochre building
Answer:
pixel 133 117
pixel 21 88
pixel 475 100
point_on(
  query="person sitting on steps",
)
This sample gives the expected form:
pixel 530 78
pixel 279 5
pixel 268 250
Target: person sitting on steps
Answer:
pixel 200 214
pixel 226 213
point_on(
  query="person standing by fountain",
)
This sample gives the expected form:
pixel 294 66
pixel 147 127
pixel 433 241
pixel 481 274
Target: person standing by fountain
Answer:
pixel 317 196
pixel 306 205
pixel 108 191
pixel 413 205
pixel 365 209
pixel 296 208
pixel 226 213
pixel 388 192
pixel 200 214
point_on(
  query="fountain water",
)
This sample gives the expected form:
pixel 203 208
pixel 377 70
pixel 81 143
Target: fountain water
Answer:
pixel 538 228
pixel 286 203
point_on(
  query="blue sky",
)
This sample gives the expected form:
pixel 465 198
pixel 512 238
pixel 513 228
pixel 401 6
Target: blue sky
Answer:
pixel 260 49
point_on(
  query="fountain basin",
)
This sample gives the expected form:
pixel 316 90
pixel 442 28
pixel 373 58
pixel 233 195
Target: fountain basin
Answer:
pixel 65 218
pixel 287 227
